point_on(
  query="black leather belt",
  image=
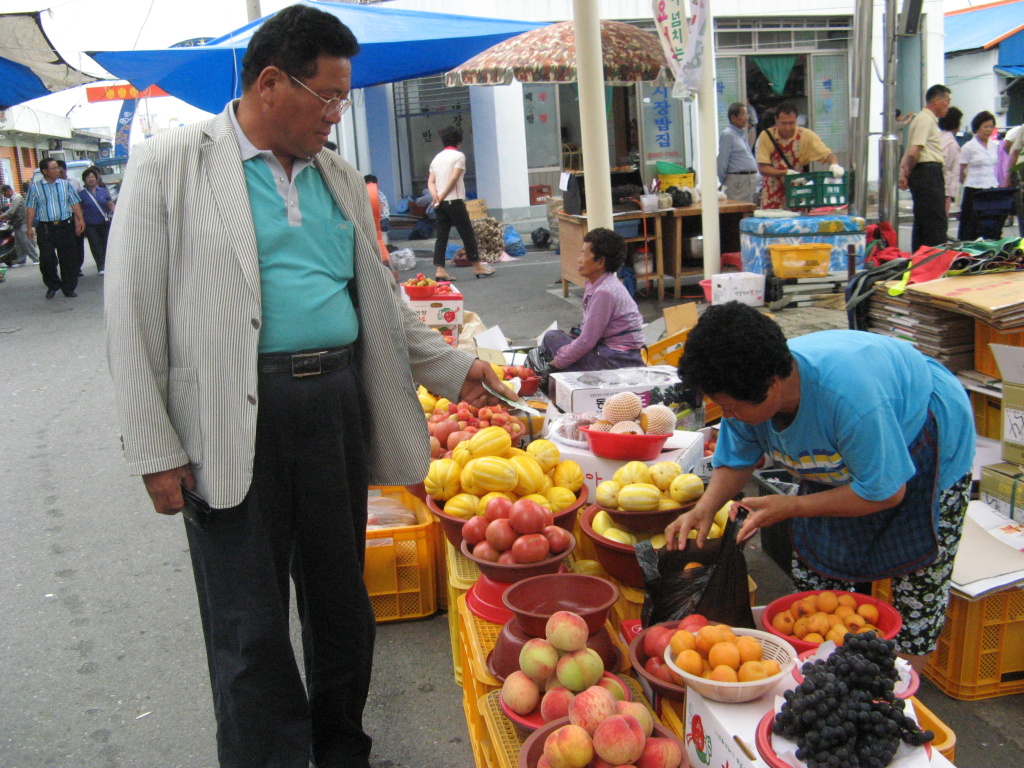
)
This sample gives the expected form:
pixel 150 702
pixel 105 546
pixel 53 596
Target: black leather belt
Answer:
pixel 61 223
pixel 740 173
pixel 306 363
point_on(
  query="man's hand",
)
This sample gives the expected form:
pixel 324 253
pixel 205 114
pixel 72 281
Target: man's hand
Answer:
pixel 765 510
pixel 791 172
pixel 473 391
pixel 79 227
pixel 164 488
pixel 836 170
pixel 903 183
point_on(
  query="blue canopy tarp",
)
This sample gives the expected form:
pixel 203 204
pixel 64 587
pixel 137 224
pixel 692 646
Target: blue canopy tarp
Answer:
pixel 30 67
pixel 394 45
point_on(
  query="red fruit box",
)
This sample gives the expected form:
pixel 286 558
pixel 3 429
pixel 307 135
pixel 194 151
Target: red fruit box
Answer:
pixel 439 309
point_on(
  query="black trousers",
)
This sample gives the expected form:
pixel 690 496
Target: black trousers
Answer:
pixel 305 517
pixel 97 235
pixel 451 212
pixel 58 247
pixel 928 189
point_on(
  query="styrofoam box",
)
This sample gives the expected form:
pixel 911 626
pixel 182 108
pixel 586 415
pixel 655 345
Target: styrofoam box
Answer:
pixel 580 391
pixel 744 287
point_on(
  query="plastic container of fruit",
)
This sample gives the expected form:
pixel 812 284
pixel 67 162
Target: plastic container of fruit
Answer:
pixel 734 693
pixel 533 600
pixel 652 521
pixel 511 572
pixel 532 721
pixel 624 447
pixel 763 737
pixel 638 658
pixel 419 291
pixel 900 690
pixel 529 386
pixel 889 619
pixel 533 748
pixel 451 525
pixel 619 560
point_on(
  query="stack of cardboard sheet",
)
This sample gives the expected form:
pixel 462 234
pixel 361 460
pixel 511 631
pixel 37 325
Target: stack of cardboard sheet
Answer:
pixel 939 333
pixel 807 291
pixel 997 297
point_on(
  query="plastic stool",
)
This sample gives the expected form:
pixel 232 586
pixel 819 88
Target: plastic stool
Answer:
pixel 732 260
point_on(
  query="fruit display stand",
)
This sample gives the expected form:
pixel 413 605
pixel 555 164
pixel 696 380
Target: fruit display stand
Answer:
pixel 400 571
pixel 980 652
pixel 505 739
pixel 461 574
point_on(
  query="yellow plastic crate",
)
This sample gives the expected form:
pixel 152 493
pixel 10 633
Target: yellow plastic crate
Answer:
pixel 400 570
pixel 667 351
pixel 666 180
pixel 801 259
pixel 462 572
pixel 980 653
pixel 673 715
pixel 453 631
pixel 945 740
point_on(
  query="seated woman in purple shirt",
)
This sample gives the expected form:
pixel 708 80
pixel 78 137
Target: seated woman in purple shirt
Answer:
pixel 610 335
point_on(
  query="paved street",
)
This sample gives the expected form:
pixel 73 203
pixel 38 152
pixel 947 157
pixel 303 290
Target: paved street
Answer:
pixel 101 657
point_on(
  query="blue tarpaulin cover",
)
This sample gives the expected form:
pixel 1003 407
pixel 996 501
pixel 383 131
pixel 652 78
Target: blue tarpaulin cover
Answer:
pixel 394 45
pixel 30 67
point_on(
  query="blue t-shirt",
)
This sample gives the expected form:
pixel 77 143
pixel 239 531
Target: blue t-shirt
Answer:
pixel 863 400
pixel 94 205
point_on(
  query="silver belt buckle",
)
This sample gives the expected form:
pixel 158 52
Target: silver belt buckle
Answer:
pixel 307 364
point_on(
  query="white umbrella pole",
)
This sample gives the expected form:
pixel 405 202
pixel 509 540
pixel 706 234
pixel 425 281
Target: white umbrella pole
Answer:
pixel 708 122
pixel 593 126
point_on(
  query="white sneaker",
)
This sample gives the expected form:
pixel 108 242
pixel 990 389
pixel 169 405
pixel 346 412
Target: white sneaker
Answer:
pixel 101 271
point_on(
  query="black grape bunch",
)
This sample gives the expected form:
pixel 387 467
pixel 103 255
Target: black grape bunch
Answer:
pixel 844 714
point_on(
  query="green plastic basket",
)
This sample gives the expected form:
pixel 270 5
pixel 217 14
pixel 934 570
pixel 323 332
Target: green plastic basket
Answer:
pixel 815 189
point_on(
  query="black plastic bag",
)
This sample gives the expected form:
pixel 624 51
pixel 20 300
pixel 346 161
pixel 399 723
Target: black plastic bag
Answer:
pixel 719 590
pixel 541 237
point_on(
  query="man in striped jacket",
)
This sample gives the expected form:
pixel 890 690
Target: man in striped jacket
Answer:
pixel 263 369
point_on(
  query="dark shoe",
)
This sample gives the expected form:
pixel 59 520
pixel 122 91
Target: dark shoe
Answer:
pixel 485 273
pixel 71 295
pixel 81 273
pixel 51 293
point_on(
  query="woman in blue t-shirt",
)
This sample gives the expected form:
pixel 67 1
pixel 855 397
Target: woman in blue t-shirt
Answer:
pixel 97 209
pixel 880 436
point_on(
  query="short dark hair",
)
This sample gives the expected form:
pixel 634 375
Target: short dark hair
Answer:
pixel 95 171
pixel 786 108
pixel 5 188
pixel 607 245
pixel 62 165
pixel 980 119
pixel 451 136
pixel 45 163
pixel 951 120
pixel 735 108
pixel 936 91
pixel 293 40
pixel 734 350
pixel 370 178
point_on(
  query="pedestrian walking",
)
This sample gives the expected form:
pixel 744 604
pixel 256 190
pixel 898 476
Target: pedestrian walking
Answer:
pixel 979 158
pixel 737 168
pixel 97 209
pixel 921 170
pixel 53 216
pixel 264 372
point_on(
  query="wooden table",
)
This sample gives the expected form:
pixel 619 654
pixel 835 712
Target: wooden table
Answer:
pixel 572 229
pixel 688 224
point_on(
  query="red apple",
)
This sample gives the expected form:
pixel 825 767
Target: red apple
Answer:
pixel 527 516
pixel 485 413
pixel 455 438
pixel 500 534
pixel 693 622
pixel 435 447
pixel 659 669
pixel 530 548
pixel 557 537
pixel 656 640
pixel 498 507
pixel 473 530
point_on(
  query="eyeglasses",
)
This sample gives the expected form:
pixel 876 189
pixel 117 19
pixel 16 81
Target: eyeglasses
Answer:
pixel 332 107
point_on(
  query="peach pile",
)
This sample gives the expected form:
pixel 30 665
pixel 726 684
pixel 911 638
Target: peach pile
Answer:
pixel 826 616
pixel 602 733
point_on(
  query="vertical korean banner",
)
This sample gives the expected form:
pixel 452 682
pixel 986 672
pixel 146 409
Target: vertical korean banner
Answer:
pixel 683 41
pixel 122 138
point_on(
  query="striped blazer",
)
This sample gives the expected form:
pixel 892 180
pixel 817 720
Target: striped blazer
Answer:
pixel 182 310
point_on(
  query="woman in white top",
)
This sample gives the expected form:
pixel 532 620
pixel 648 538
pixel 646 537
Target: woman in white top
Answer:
pixel 978 158
pixel 948 126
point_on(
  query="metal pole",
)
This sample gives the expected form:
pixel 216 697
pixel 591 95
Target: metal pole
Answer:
pixel 860 105
pixel 707 121
pixel 593 122
pixel 252 8
pixel 889 144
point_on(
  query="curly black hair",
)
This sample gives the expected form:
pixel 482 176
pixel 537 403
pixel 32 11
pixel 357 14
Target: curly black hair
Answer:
pixel 293 41
pixel 451 135
pixel 734 350
pixel 608 245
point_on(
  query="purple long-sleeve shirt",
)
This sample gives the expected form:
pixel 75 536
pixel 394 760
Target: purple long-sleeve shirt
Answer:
pixel 609 315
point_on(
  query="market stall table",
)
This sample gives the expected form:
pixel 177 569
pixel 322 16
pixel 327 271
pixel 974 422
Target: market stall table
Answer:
pixel 687 222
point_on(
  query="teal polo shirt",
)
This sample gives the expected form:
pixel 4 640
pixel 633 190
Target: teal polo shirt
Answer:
pixel 306 253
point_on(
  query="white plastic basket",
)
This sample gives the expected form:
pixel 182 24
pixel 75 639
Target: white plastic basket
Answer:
pixel 735 693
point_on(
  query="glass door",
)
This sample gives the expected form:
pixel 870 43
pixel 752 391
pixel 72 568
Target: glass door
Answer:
pixel 828 92
pixel 729 86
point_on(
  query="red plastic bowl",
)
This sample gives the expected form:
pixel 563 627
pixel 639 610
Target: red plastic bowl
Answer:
pixel 637 658
pixel 533 600
pixel 533 720
pixel 533 747
pixel 624 447
pixel 912 685
pixel 889 619
pixel 511 573
pixel 619 560
pixel 419 291
pixel 529 386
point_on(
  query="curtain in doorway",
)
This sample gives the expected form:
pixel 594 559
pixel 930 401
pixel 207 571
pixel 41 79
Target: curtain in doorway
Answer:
pixel 776 69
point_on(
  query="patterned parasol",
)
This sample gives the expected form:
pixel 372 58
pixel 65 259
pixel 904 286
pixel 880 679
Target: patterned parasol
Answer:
pixel 548 55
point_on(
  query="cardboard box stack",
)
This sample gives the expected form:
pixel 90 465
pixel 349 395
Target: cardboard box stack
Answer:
pixel 444 313
pixel 939 333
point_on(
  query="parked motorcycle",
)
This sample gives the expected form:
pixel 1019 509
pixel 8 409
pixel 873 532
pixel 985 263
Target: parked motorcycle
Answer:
pixel 8 254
